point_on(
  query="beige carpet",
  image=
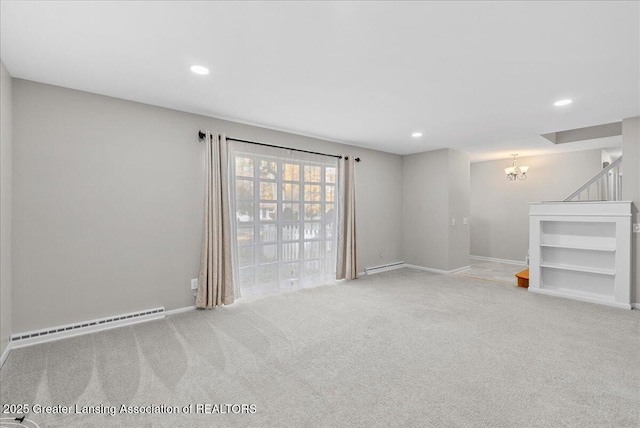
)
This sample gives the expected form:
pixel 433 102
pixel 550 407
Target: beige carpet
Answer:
pixel 401 348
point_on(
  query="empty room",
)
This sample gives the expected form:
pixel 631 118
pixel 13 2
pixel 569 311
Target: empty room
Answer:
pixel 324 214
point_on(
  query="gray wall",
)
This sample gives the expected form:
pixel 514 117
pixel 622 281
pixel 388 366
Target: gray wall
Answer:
pixel 435 190
pixel 500 208
pixel 108 199
pixel 5 207
pixel 631 189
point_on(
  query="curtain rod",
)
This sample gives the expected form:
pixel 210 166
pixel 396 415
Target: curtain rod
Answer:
pixel 202 135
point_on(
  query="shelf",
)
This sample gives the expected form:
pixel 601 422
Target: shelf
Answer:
pixel 585 269
pixel 580 247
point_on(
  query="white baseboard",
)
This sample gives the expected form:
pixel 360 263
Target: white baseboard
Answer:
pixel 180 310
pixel 635 305
pixel 383 268
pixel 558 293
pixel 491 259
pixel 44 335
pixel 440 271
pixel 5 354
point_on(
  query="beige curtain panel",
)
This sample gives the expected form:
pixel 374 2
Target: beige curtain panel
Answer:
pixel 215 284
pixel 346 267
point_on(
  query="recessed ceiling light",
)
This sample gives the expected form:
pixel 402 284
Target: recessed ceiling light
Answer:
pixel 198 69
pixel 562 103
pixel 416 134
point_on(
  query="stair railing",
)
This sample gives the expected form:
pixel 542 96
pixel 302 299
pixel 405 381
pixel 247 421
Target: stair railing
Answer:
pixel 604 186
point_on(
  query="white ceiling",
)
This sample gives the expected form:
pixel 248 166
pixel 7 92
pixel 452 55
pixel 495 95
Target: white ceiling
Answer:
pixel 475 76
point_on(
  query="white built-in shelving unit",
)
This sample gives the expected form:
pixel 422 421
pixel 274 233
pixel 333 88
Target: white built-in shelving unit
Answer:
pixel 581 250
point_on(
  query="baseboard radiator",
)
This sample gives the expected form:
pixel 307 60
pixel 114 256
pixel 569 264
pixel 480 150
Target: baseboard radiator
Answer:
pixel 383 268
pixel 76 329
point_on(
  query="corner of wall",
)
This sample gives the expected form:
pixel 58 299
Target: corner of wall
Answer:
pixel 5 208
pixel 631 190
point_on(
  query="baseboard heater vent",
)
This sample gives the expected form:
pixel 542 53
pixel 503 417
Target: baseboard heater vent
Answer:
pixel 68 330
pixel 383 268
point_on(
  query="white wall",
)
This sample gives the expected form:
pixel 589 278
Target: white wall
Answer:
pixel 5 207
pixel 500 208
pixel 108 199
pixel 435 189
pixel 631 190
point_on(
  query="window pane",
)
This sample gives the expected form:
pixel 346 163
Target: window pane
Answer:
pixel 290 212
pixel 290 192
pixel 268 212
pixel 268 191
pixel 311 192
pixel 312 250
pixel 267 274
pixel 290 232
pixel 330 193
pixel 291 172
pixel 268 253
pixel 328 246
pixel 244 189
pixel 312 211
pixel 244 211
pixel 312 231
pixel 245 255
pixel 291 251
pixel 329 213
pixel 244 167
pixel 245 234
pixel 289 271
pixel 268 169
pixel 268 233
pixel 247 277
pixel 312 174
pixel 312 267
pixel 330 174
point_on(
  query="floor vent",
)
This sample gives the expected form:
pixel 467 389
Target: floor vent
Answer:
pixel 59 332
pixel 383 268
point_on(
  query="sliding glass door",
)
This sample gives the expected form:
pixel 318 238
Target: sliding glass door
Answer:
pixel 285 219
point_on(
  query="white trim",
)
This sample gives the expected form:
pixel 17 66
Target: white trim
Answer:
pixel 440 271
pixel 359 274
pixel 426 269
pixel 569 295
pixel 20 340
pixel 635 305
pixel 5 354
pixel 383 268
pixel 180 310
pixel 492 259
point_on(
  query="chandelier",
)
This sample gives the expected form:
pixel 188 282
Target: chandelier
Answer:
pixel 516 172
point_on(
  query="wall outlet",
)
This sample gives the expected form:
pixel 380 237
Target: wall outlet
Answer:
pixel 453 222
pixel 194 284
pixel 465 220
pixel 636 227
